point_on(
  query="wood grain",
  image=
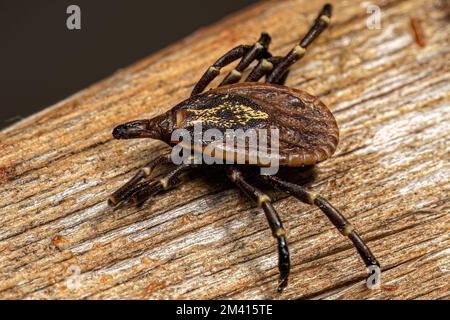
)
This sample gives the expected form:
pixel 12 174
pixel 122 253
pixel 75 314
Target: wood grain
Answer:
pixel 390 174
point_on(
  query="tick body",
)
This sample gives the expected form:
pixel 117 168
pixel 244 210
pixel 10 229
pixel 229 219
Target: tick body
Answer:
pixel 308 133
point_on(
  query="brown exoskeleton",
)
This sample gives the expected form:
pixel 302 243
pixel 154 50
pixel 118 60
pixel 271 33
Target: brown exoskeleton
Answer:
pixel 308 132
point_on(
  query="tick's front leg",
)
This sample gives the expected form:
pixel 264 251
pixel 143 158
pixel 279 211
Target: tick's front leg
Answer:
pixel 144 172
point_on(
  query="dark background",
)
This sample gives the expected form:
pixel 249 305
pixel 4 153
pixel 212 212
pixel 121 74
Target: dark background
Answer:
pixel 42 62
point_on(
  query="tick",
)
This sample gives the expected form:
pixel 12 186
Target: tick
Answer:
pixel 308 133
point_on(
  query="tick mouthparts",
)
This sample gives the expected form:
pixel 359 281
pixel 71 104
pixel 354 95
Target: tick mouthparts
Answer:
pixel 135 129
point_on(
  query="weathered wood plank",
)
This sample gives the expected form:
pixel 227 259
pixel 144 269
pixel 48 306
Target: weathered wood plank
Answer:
pixel 390 175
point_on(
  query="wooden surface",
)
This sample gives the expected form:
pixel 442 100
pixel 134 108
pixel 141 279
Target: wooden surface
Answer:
pixel 390 175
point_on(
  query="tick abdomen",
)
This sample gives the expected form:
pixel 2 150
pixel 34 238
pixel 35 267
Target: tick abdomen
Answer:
pixel 308 132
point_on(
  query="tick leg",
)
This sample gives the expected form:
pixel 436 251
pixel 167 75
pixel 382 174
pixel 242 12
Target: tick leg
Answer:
pixel 248 53
pixel 214 70
pixel 144 172
pixel 283 78
pixel 338 220
pixel 320 24
pixel 264 67
pixel 275 224
pixel 145 191
pixel 257 50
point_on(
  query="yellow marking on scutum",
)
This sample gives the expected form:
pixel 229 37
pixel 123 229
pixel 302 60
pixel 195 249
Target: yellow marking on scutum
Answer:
pixel 242 114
